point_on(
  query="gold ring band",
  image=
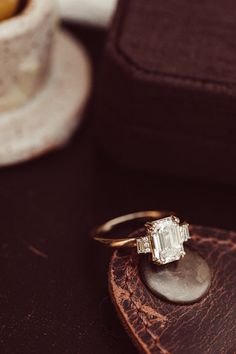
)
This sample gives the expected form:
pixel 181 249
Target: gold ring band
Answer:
pixel 110 225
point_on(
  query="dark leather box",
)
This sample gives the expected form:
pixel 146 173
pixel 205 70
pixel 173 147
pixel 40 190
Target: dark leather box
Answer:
pixel 167 94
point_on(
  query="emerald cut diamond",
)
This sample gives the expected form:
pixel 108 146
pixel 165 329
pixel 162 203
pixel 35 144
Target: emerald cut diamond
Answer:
pixel 166 237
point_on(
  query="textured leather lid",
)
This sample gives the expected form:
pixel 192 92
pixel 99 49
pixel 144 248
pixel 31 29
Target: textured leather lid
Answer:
pixel 189 39
pixel 167 89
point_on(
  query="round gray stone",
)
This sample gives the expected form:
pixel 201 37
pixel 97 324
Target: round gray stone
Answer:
pixel 185 281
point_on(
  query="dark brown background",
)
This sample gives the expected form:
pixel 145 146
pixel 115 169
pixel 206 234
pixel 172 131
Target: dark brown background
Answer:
pixel 54 296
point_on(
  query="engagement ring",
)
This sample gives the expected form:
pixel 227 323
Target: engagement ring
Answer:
pixel 163 237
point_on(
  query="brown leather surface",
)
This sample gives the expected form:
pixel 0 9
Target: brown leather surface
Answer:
pixel 156 326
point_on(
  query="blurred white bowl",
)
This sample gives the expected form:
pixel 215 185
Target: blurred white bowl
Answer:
pixel 92 12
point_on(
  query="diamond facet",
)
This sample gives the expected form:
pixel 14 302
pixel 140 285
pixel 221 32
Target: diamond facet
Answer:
pixel 167 238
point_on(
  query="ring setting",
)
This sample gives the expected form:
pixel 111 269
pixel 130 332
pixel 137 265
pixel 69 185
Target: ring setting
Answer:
pixel 163 238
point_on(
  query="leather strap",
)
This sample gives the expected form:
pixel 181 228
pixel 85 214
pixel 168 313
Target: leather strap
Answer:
pixel 156 326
